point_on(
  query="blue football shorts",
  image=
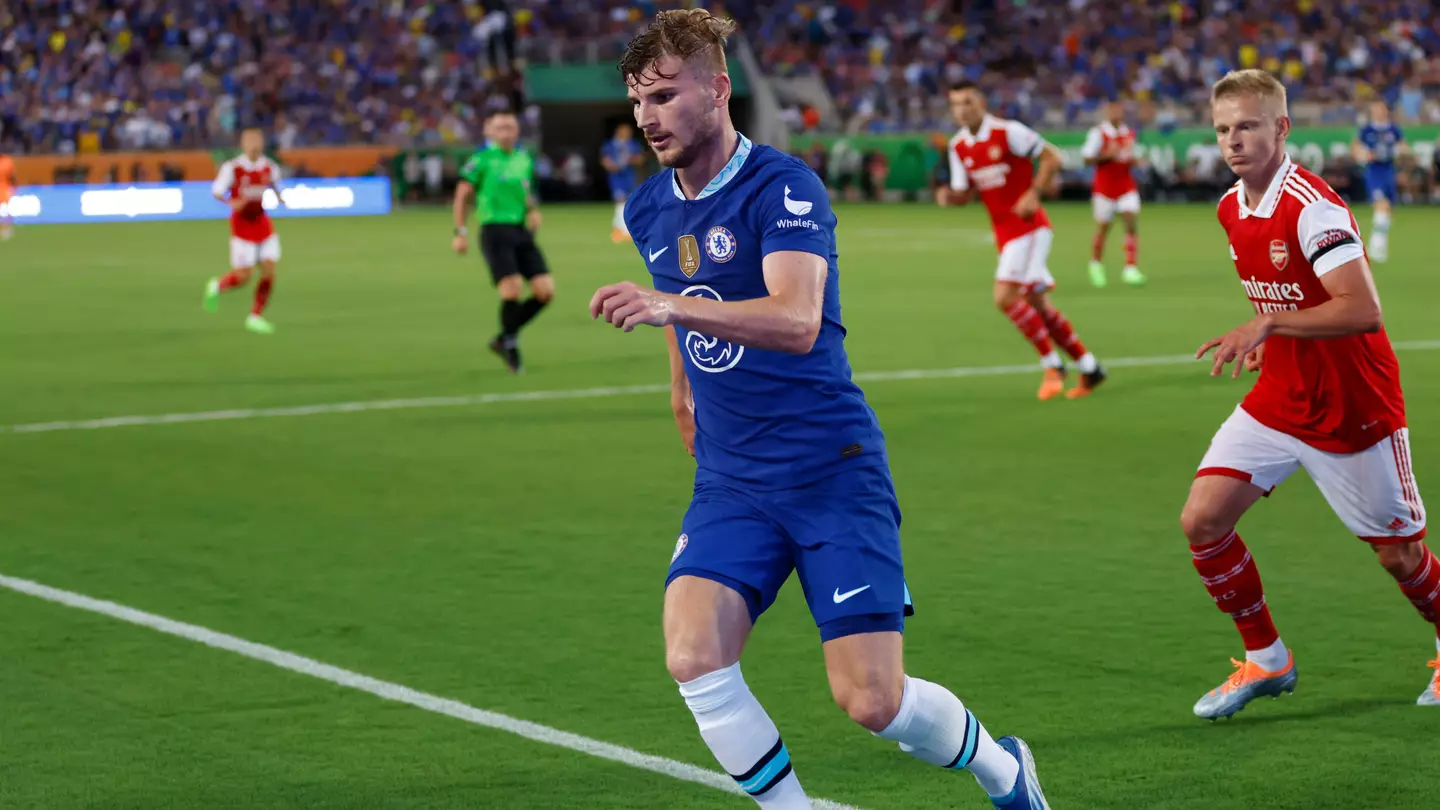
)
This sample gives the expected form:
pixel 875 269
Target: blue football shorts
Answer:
pixel 840 535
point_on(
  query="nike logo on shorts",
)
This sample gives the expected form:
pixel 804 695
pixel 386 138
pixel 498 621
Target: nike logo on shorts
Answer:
pixel 841 597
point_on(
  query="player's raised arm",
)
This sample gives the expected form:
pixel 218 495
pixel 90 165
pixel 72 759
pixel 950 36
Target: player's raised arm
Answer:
pixel 786 320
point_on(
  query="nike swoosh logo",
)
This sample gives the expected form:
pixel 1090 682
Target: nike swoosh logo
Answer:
pixel 841 597
pixel 655 254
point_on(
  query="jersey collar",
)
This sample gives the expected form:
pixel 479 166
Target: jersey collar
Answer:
pixel 726 174
pixel 986 124
pixel 1266 209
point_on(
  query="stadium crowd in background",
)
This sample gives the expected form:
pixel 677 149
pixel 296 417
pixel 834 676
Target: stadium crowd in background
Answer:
pixel 90 75
pixel 1053 63
pixel 87 75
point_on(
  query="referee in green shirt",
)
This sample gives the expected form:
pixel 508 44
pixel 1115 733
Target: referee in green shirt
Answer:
pixel 508 217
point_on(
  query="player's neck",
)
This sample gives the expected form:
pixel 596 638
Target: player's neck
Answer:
pixel 708 163
pixel 1257 185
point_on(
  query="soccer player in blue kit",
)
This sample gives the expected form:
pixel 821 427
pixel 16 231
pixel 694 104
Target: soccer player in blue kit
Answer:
pixel 792 472
pixel 620 156
pixel 1376 146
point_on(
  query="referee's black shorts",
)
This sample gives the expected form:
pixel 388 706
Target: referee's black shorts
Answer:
pixel 510 250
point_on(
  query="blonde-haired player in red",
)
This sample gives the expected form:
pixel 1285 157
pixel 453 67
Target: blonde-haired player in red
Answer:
pixel 997 158
pixel 241 184
pixel 1110 148
pixel 1328 398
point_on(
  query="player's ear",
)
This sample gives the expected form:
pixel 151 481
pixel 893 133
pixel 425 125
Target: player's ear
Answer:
pixel 721 87
pixel 1282 126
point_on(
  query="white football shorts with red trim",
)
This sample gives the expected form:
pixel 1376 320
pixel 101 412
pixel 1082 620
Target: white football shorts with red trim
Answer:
pixel 1373 492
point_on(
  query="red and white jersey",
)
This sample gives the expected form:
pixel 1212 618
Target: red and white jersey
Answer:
pixel 1113 178
pixel 999 161
pixel 1340 395
pixel 242 178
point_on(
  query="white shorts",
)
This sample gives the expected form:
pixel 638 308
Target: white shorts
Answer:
pixel 1106 208
pixel 1373 492
pixel 1025 260
pixel 245 254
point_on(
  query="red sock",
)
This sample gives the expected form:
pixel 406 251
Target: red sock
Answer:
pixel 1230 575
pixel 1031 325
pixel 230 280
pixel 1132 248
pixel 1097 247
pixel 1063 333
pixel 262 295
pixel 1423 588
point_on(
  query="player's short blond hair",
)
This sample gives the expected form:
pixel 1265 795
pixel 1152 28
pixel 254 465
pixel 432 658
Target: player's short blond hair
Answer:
pixel 693 34
pixel 1252 82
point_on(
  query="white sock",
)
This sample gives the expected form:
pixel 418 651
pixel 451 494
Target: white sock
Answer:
pixel 619 222
pixel 1087 363
pixel 1381 223
pixel 1052 360
pixel 1272 658
pixel 744 739
pixel 934 726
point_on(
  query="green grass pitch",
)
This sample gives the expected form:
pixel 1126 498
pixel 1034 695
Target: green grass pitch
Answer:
pixel 510 555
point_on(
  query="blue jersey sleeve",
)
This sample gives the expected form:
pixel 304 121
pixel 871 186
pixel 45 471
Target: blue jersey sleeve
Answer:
pixel 795 213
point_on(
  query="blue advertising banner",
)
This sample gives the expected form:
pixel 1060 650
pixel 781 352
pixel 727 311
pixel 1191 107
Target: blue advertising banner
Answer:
pixel 308 197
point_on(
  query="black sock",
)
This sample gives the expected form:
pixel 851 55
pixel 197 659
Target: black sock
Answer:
pixel 512 317
pixel 529 308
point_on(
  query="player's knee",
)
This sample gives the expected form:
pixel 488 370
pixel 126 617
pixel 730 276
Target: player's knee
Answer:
pixel 688 662
pixel 510 288
pixel 872 706
pixel 1006 295
pixel 1202 525
pixel 267 270
pixel 543 289
pixel 1400 559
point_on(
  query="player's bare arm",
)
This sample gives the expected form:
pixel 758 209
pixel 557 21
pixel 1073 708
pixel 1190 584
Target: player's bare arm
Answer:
pixel 1050 162
pixel 682 400
pixel 1353 308
pixel 463 192
pixel 946 196
pixel 533 219
pixel 786 320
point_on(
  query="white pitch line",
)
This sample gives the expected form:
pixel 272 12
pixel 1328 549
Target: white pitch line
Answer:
pixel 560 394
pixel 390 691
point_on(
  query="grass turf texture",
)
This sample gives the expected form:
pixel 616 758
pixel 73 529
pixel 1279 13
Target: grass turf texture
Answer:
pixel 510 555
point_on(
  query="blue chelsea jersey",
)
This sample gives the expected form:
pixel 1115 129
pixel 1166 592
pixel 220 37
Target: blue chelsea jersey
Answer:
pixel 767 419
pixel 1382 141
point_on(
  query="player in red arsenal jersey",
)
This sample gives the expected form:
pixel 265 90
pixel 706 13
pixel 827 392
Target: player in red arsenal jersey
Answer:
pixel 1328 399
pixel 1110 148
pixel 242 184
pixel 996 158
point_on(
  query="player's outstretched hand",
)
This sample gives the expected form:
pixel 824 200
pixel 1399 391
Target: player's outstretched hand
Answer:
pixel 1236 345
pixel 459 244
pixel 627 305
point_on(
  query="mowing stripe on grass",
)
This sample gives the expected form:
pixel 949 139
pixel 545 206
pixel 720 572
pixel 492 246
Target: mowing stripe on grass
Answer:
pixel 390 691
pixel 559 394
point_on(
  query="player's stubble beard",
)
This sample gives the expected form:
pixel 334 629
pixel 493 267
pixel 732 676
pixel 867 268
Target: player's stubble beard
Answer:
pixel 703 133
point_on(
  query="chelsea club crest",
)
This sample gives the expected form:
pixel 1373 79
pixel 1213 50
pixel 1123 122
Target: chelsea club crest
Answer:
pixel 720 244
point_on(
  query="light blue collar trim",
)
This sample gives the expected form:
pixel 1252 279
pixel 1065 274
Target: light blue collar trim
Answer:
pixel 726 174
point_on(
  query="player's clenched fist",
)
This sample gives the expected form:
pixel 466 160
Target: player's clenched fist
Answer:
pixel 459 244
pixel 627 305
